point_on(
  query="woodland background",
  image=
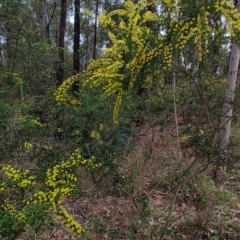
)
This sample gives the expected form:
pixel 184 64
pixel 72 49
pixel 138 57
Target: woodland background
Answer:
pixel 162 172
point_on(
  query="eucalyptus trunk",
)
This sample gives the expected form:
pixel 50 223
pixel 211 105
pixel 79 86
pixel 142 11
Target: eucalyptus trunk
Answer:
pixel 229 94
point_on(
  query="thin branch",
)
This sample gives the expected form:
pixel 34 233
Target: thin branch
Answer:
pixel 48 24
pixel 200 95
pixel 135 204
pixel 168 219
pixel 223 124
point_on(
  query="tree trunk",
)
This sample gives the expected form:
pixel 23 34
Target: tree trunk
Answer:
pixel 214 19
pixel 45 20
pixel 95 32
pixel 62 29
pixel 87 40
pixel 76 43
pixel 229 94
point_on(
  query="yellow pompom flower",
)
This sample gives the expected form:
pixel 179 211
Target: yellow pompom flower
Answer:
pixel 149 16
pixel 28 145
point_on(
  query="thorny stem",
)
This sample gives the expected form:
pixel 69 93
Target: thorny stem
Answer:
pixel 165 227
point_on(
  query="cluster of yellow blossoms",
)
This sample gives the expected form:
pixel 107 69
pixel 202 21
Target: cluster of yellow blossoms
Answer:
pixel 134 44
pixel 95 134
pixel 231 14
pixel 2 186
pixel 28 145
pixel 18 177
pixel 197 29
pixel 60 182
pixel 69 221
pixel 14 212
pixel 170 3
pixel 62 96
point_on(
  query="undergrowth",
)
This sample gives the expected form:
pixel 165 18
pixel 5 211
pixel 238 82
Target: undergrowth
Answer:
pixel 48 156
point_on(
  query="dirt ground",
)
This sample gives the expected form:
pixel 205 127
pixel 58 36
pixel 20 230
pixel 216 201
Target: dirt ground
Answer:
pixel 110 212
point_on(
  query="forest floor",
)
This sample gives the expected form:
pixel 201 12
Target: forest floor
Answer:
pixel 204 208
